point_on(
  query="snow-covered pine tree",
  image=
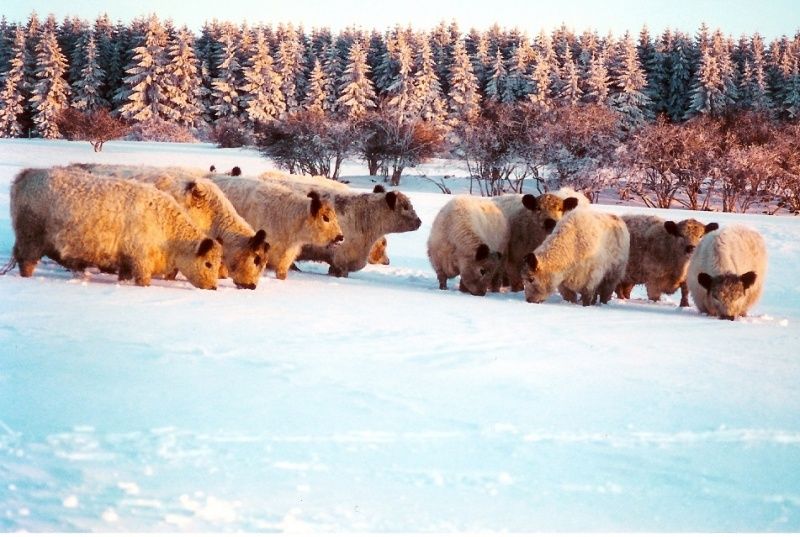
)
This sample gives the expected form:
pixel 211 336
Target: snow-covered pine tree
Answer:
pixel 356 94
pixel 496 85
pixel 780 68
pixel 321 38
pixel 627 96
pixel 183 80
pixel 73 35
pixel 791 98
pixel 702 41
pixel 143 91
pixel 316 97
pixel 547 48
pixel 645 49
pixel 597 83
pixel 114 66
pixel 332 68
pixel 245 43
pixel 481 62
pixel 589 48
pixel 518 67
pixel 87 89
pixel 290 68
pixel 12 91
pixel 679 77
pixel 225 96
pixel 208 48
pixel 753 91
pixel 263 100
pixel 50 92
pixel 541 82
pixel 545 78
pixel 494 41
pixel 442 48
pixel 721 48
pixel 6 39
pixel 463 97
pixel 399 87
pixel 204 93
pixel 657 76
pixel 561 39
pixel 377 48
pixel 708 91
pixel 385 65
pixel 33 34
pixel 103 32
pixel 570 93
pixel 428 101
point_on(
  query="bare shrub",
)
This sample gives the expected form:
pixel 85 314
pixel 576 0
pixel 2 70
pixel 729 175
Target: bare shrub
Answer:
pixel 662 158
pixel 159 130
pixel 787 159
pixel 96 127
pixel 579 142
pixel 398 142
pixel 307 143
pixel 230 132
pixel 492 147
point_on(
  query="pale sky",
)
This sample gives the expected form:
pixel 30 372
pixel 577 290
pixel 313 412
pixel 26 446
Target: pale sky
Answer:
pixel 771 18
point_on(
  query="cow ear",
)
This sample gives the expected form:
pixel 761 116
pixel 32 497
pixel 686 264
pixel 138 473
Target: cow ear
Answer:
pixel 748 279
pixel 205 246
pixel 672 228
pixel 711 227
pixel 569 204
pixel 258 240
pixel 530 202
pixel 378 189
pixel 704 280
pixel 482 252
pixel 391 199
pixel 316 204
pixel 531 261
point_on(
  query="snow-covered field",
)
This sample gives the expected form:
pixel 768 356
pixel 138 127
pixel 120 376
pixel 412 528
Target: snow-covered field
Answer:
pixel 379 403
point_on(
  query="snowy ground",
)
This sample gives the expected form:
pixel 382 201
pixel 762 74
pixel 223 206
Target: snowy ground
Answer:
pixel 380 403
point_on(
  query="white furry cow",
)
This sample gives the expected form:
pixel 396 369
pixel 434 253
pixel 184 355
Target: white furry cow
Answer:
pixel 727 270
pixel 468 238
pixel 660 254
pixel 82 220
pixel 244 251
pixel 289 217
pixel 530 220
pixel 365 219
pixel 586 254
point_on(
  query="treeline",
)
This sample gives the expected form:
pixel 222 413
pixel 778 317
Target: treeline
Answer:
pixel 547 108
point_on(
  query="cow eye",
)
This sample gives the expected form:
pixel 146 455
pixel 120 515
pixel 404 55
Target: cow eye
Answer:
pixel 208 264
pixel 257 260
pixel 326 219
pixel 483 272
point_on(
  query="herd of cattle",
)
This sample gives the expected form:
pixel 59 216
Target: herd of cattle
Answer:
pixel 140 222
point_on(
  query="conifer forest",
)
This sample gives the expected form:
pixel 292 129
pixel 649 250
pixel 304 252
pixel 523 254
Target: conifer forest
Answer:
pixel 703 121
